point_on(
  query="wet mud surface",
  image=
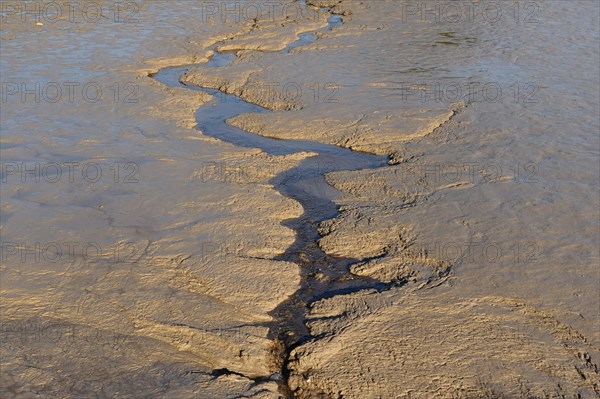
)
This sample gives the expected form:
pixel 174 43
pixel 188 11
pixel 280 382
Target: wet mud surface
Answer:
pixel 323 276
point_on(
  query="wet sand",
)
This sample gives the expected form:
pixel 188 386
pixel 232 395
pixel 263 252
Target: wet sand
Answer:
pixel 273 255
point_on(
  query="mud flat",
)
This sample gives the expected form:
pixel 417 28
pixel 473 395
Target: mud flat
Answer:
pixel 156 277
pixel 482 229
pixel 466 267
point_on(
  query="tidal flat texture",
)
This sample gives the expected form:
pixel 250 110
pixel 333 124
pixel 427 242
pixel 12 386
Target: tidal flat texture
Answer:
pixel 300 199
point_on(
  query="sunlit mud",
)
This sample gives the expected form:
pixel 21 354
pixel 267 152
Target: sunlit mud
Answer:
pixel 342 199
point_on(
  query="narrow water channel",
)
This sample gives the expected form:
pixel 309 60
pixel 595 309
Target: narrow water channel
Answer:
pixel 322 275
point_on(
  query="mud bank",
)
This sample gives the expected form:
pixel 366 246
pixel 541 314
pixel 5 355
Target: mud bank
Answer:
pixel 480 238
pixel 322 275
pixel 155 276
pixel 397 223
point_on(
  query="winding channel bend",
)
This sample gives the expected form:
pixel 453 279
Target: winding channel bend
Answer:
pixel 322 275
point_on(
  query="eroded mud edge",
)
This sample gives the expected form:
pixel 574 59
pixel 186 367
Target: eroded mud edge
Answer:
pixel 322 276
